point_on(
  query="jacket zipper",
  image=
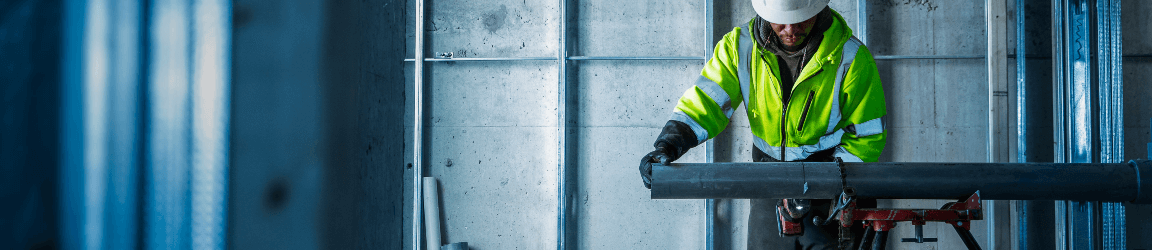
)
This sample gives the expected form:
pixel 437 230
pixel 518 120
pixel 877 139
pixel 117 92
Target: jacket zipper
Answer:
pixel 783 125
pixel 783 116
pixel 804 116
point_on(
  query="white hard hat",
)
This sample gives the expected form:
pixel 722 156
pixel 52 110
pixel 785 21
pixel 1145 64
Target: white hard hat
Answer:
pixel 788 11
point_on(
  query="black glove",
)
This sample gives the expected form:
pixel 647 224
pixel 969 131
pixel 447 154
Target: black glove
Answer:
pixel 660 155
pixel 673 142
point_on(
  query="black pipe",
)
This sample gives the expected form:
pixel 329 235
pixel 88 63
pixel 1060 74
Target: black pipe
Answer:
pixel 1112 182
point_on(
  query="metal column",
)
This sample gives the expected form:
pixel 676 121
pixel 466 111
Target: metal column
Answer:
pixel 1072 115
pixel 1110 82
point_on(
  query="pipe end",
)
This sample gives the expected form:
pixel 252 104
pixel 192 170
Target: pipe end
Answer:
pixel 1143 180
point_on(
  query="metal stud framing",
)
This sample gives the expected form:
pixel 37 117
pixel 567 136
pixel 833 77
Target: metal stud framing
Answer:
pixel 1072 115
pixel 1110 81
pixel 418 126
pixel 565 224
pixel 709 146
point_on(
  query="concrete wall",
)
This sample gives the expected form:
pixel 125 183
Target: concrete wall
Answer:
pixel 491 126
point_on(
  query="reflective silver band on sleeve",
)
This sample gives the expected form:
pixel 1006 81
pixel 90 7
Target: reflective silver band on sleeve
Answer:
pixel 848 53
pixel 870 127
pixel 701 133
pixel 714 91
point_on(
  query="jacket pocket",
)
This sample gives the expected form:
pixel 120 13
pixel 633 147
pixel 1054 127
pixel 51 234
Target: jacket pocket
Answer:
pixel 807 105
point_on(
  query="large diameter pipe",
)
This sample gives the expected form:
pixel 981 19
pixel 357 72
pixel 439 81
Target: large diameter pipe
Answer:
pixel 431 213
pixel 1113 182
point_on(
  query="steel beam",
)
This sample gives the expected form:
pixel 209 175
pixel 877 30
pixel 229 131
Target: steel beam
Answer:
pixel 1114 182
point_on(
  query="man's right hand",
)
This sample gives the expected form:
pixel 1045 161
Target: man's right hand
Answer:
pixel 656 156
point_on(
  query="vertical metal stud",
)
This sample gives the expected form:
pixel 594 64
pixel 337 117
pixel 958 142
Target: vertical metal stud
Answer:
pixel 1111 115
pixel 418 126
pixel 565 235
pixel 710 145
pixel 997 61
pixel 862 20
pixel 1074 122
pixel 1025 228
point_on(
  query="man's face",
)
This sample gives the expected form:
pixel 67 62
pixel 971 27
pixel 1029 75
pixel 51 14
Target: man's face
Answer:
pixel 793 34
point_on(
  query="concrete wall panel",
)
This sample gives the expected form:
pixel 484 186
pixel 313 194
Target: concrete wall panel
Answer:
pixel 622 107
pixel 900 28
pixel 475 94
pixel 632 93
pixel 497 185
pixel 613 207
pixel 961 111
pixel 504 28
pixel 654 28
pixel 958 27
pixel 490 133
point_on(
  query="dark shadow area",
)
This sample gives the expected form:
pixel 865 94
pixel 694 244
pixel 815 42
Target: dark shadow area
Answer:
pixel 30 59
pixel 363 83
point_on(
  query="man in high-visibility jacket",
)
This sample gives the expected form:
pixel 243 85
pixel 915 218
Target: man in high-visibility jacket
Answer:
pixel 812 93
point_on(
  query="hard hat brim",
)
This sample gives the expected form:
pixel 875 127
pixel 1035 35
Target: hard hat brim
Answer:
pixel 774 14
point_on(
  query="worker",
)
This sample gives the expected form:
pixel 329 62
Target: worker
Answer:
pixel 812 93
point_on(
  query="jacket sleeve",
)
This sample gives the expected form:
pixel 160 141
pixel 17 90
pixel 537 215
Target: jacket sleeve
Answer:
pixel 707 106
pixel 864 109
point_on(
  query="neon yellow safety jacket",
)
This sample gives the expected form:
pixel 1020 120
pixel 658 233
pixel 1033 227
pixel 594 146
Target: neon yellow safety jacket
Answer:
pixel 837 102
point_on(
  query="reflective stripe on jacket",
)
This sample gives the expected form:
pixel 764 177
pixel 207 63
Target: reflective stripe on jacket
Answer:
pixel 836 102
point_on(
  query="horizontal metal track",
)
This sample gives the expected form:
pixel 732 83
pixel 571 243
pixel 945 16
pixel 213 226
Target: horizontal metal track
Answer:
pixel 588 58
pixel 904 57
pixel 658 58
pixel 1113 182
pixel 472 59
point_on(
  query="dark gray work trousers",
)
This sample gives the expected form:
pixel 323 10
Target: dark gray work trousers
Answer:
pixel 764 232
